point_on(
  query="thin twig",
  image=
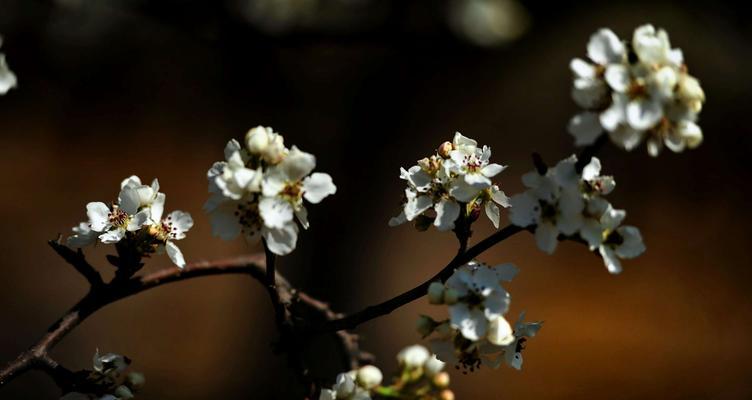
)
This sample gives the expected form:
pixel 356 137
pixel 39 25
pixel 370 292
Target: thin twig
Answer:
pixel 78 261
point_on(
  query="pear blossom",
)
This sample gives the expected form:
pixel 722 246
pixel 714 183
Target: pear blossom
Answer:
pixel 7 78
pixel 553 204
pixel 453 183
pixel 612 240
pixel 636 91
pixel 258 191
pixel 286 185
pixel 137 219
pixel 170 229
pixel 413 356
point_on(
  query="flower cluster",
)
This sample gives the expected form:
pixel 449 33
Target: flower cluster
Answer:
pixel 421 376
pixel 108 380
pixel 7 77
pixel 259 190
pixel 135 223
pixel 563 202
pixel 636 90
pixel 476 331
pixel 453 183
pixel 354 385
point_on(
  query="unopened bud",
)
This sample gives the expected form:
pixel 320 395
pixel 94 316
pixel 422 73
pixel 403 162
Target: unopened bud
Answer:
pixel 425 164
pixel 369 377
pixel 436 293
pixel 451 296
pixel 257 140
pixel 444 149
pixel 446 394
pixel 441 380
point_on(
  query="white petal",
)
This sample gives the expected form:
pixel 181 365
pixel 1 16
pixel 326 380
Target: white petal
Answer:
pixel 156 209
pixel 98 214
pixel 223 220
pixel 632 245
pixel 500 332
pixel 474 326
pixel 8 79
pixel 592 232
pixel 112 236
pixel 131 181
pixel 275 212
pixel 626 137
pixel 317 186
pixel 398 220
pixel 644 113
pixel 614 115
pixel 499 197
pixel 137 221
pixel 182 221
pixel 492 170
pixel 582 68
pixel 612 218
pixel 605 47
pixel 618 78
pixel 447 212
pixel 328 394
pixel 417 206
pixel 465 192
pixel 128 200
pixel 175 254
pixel 297 164
pixel 492 211
pixel 546 236
pixel 691 133
pixel 592 169
pixel 525 210
pixel 477 180
pixel 585 127
pixel 232 147
pixel 282 241
pixel 588 93
pixel 609 259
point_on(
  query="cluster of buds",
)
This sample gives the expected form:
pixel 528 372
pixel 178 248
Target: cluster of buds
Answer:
pixel 358 384
pixel 7 78
pixel 258 191
pixel 455 183
pixel 562 202
pixel 421 376
pixel 135 224
pixel 635 90
pixel 109 380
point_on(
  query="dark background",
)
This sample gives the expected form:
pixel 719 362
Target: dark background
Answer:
pixel 108 89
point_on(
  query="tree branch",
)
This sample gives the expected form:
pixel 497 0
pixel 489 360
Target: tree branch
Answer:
pixel 78 261
pixel 37 356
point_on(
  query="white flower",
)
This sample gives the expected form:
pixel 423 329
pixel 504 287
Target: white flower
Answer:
pixel 553 203
pixel 286 185
pixel 482 300
pixel 458 176
pixel 123 217
pixel 266 143
pixel 7 78
pixel 650 95
pixel 612 240
pixel 259 188
pixel 512 353
pixel 170 229
pixel 592 182
pixel 347 387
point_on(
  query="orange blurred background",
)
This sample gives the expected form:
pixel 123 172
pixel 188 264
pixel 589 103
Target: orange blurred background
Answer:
pixel 134 87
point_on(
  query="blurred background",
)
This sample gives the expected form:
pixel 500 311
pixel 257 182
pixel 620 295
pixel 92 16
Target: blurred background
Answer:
pixel 156 88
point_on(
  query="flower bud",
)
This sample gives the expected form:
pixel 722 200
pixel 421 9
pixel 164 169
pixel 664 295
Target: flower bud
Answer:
pixel 691 92
pixel 413 356
pixel 436 293
pixel 425 325
pixel 344 386
pixel 444 149
pixel 257 139
pixel 369 377
pixel 446 394
pixel 451 296
pixel 441 380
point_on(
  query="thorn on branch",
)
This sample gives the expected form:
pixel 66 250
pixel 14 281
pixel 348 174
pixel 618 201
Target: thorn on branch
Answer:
pixel 78 261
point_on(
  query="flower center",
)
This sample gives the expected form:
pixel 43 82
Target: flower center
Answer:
pixel 118 218
pixel 292 192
